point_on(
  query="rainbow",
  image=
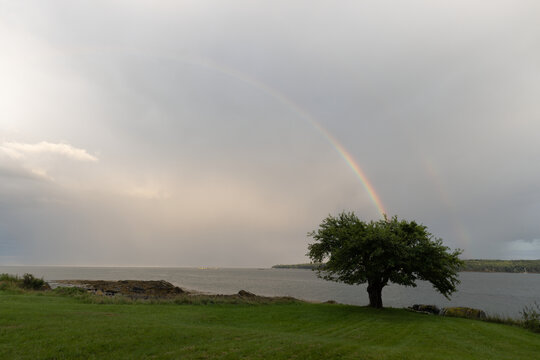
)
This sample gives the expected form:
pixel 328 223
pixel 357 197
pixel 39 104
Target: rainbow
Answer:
pixel 375 198
pixel 274 93
pixel 349 159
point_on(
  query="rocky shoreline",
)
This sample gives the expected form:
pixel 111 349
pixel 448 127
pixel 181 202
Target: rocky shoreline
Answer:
pixel 131 288
pixel 153 289
pixel 161 289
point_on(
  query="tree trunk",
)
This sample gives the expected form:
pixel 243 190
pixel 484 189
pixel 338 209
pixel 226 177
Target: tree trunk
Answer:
pixel 375 295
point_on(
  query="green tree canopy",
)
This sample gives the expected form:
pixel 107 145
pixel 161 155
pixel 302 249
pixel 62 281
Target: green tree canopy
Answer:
pixel 355 252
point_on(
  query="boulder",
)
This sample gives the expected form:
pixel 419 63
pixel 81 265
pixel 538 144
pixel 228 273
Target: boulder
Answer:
pixel 464 312
pixel 245 293
pixel 45 286
pixel 429 309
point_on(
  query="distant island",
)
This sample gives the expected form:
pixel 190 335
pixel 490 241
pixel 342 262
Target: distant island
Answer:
pixel 476 265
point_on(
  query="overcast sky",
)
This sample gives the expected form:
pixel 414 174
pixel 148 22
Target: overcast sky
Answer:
pixel 199 133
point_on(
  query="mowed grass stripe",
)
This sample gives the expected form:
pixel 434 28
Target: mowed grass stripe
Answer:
pixel 41 327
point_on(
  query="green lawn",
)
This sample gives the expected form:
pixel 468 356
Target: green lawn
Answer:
pixel 34 326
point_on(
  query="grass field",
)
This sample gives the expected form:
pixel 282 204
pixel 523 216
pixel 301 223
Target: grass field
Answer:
pixel 38 326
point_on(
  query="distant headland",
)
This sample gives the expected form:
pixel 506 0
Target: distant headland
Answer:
pixel 473 265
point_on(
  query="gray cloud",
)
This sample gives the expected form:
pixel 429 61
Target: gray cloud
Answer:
pixel 20 173
pixel 196 111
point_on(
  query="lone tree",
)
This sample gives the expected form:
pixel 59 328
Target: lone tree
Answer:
pixel 355 252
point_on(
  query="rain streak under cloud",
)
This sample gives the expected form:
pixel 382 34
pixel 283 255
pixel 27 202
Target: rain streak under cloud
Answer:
pixel 204 133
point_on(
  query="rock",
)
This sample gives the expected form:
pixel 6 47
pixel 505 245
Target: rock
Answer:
pixel 131 288
pixel 245 293
pixel 46 286
pixel 464 312
pixel 330 302
pixel 429 309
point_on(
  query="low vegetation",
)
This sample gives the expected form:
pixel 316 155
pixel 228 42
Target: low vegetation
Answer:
pixel 306 266
pixel 510 266
pixel 531 317
pixel 28 281
pixel 477 265
pixel 180 299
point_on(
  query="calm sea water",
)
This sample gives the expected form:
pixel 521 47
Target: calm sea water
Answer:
pixel 496 293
